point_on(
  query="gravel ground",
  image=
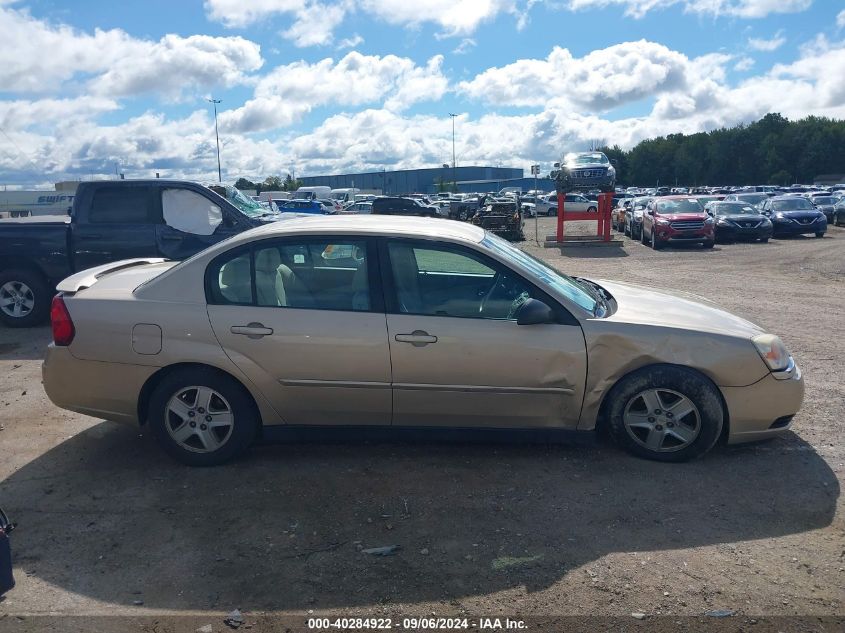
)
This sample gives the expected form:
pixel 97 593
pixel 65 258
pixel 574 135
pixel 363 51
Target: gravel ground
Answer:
pixel 109 526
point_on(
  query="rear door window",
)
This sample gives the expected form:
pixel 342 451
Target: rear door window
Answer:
pixel 122 205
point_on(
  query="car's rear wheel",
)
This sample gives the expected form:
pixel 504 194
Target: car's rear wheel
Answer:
pixel 202 417
pixel 819 234
pixel 665 413
pixel 24 298
pixel 591 209
pixel 764 240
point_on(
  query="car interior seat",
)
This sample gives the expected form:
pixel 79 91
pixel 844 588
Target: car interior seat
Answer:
pixel 269 283
pixel 234 280
pixel 406 277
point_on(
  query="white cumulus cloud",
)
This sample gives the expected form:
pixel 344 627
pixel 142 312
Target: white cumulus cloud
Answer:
pixel 36 56
pixel 288 92
pixel 767 45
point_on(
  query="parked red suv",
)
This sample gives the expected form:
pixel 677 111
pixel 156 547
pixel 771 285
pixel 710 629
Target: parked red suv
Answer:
pixel 677 219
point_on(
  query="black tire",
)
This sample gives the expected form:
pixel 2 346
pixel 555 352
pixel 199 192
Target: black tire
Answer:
pixel 552 212
pixel 708 244
pixel 764 240
pixel 687 382
pixel 655 243
pixel 642 236
pixel 591 209
pixel 819 234
pixel 245 415
pixel 35 290
pixel 627 231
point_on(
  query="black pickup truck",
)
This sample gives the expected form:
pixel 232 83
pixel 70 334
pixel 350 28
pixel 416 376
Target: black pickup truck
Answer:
pixel 110 221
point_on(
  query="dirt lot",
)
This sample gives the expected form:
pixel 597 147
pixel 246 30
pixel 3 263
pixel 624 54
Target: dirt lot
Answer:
pixel 108 525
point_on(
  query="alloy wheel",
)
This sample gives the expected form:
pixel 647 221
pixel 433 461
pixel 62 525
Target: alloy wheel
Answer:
pixel 662 420
pixel 16 299
pixel 199 419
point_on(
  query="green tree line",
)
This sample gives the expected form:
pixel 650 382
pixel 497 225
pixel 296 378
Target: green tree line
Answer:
pixel 772 151
pixel 271 183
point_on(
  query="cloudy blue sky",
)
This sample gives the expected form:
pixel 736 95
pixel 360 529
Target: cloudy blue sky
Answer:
pixel 93 86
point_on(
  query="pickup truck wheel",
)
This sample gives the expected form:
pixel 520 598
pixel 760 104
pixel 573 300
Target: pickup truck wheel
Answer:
pixel 665 413
pixel 24 298
pixel 202 418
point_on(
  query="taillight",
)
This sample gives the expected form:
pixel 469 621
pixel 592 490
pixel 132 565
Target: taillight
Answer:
pixel 63 330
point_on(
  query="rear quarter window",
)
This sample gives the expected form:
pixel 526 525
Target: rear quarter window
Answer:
pixel 122 205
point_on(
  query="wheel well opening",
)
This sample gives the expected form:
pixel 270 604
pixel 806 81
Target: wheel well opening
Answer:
pixel 154 380
pixel 601 417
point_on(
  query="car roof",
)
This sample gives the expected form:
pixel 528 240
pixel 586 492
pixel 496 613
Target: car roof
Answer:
pixel 364 225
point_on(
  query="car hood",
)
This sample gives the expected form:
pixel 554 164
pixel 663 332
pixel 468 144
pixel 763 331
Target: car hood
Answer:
pixel 806 213
pixel 743 217
pixel 682 217
pixel 675 309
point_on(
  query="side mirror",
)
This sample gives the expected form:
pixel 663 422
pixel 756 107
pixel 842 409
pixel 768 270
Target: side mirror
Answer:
pixel 557 165
pixel 650 212
pixel 709 211
pixel 534 312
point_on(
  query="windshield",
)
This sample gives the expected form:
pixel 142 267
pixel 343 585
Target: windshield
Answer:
pixel 555 280
pixel 587 159
pixel 738 208
pixel 752 198
pixel 824 200
pixel 245 204
pixel 792 204
pixel 679 206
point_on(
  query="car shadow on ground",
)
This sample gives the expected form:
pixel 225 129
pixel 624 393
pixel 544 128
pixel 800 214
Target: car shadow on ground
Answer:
pixel 105 515
pixel 24 344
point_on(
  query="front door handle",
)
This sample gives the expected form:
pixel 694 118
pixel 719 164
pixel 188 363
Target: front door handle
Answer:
pixel 253 330
pixel 417 338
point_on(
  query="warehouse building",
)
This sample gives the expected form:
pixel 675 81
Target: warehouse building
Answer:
pixel 419 180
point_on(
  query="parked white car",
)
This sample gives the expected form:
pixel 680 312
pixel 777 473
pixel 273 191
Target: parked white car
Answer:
pixel 574 202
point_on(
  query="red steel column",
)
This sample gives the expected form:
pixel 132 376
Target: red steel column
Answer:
pixel 606 201
pixel 560 198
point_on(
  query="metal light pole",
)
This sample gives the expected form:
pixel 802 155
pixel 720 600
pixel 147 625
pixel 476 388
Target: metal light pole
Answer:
pixel 454 163
pixel 217 137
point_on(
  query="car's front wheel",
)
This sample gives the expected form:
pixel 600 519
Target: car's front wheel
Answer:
pixel 820 234
pixel 202 417
pixel 655 243
pixel 666 413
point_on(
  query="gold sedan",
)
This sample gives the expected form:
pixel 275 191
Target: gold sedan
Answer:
pixel 404 322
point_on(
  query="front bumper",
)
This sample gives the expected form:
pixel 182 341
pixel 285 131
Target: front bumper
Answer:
pixel 742 233
pixel 795 228
pixel 103 390
pixel 763 410
pixel 668 234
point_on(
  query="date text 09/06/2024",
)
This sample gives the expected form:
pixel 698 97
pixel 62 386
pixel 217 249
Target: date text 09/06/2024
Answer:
pixel 415 624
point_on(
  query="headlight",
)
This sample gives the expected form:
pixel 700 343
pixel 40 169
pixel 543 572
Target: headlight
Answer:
pixel 766 221
pixel 662 222
pixel 773 351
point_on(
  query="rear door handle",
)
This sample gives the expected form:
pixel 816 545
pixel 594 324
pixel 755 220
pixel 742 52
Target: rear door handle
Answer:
pixel 417 338
pixel 253 330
